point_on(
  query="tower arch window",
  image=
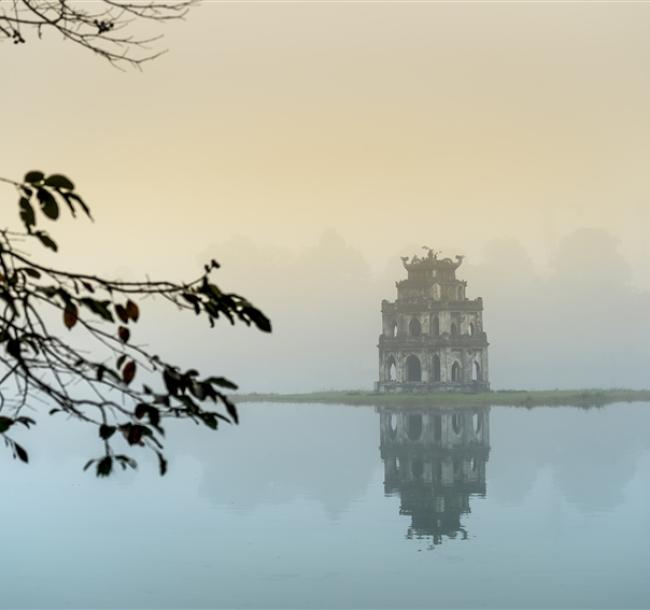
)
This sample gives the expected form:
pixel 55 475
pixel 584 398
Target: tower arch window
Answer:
pixel 435 326
pixel 454 329
pixel 393 329
pixel 436 367
pixel 476 371
pixel 413 369
pixel 415 328
pixel 470 329
pixel 392 369
pixel 455 372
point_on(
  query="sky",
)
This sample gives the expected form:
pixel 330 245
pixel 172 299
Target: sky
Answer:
pixel 308 145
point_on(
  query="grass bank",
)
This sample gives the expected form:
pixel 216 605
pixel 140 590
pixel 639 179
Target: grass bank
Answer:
pixel 512 398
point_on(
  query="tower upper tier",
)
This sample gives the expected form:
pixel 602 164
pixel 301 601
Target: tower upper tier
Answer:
pixel 431 278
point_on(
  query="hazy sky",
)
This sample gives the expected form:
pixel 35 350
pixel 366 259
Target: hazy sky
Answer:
pixel 446 124
pixel 390 124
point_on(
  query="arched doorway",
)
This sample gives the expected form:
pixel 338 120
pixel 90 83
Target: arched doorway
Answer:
pixel 455 372
pixel 413 369
pixel 436 368
pixel 415 328
pixel 392 369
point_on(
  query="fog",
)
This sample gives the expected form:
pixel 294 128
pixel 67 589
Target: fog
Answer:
pixel 577 322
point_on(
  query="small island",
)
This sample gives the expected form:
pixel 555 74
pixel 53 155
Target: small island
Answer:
pixel 512 398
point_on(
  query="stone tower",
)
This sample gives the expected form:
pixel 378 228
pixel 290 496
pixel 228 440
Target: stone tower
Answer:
pixel 432 336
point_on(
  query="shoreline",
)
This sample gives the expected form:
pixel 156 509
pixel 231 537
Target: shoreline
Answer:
pixel 507 398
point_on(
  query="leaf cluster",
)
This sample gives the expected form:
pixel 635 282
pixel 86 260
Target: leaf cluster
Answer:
pixel 129 394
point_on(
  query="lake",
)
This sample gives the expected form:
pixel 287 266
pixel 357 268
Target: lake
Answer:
pixel 323 506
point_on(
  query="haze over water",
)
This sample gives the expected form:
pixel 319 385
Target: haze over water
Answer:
pixel 294 510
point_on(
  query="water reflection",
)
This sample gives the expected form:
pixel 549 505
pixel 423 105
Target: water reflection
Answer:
pixel 435 461
pixel 289 510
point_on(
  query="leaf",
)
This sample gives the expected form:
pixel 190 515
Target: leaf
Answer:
pixel 259 319
pixel 128 373
pixel 105 466
pixel 209 420
pixel 46 240
pixel 132 310
pixel 34 177
pixel 135 432
pixel 21 453
pixel 151 412
pixel 5 424
pixel 190 298
pixel 33 273
pixel 48 204
pixel 89 463
pixel 70 315
pixel 58 181
pixel 13 348
pixel 162 463
pixel 230 407
pixel 99 308
pixel 26 421
pixel 120 310
pixel 27 214
pixel 171 379
pixel 198 389
pixel 74 197
pixel 126 462
pixel 222 382
pixel 123 333
pixel 106 431
pixel 120 361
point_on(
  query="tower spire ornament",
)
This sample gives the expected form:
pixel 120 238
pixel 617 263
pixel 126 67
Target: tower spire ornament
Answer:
pixel 432 335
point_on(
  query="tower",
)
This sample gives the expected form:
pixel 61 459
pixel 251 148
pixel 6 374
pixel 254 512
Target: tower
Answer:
pixel 432 335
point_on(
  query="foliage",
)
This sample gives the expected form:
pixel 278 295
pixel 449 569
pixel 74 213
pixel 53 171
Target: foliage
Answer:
pixel 104 27
pixel 40 364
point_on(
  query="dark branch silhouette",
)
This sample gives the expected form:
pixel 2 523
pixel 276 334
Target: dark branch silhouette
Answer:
pixel 105 27
pixel 40 367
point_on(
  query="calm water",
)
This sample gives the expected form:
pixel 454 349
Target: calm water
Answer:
pixel 308 506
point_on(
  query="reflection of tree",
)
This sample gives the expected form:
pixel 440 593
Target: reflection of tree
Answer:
pixel 435 460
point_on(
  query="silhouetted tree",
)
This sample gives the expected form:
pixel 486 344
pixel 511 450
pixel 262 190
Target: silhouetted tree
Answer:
pixel 39 365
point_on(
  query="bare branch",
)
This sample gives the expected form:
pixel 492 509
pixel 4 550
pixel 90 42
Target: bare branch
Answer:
pixel 104 27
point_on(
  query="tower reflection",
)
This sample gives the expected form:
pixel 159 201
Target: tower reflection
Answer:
pixel 435 460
